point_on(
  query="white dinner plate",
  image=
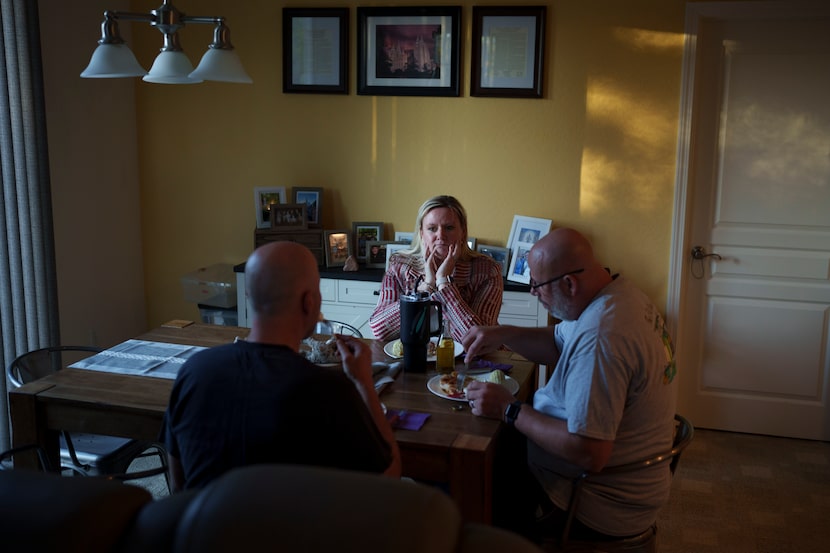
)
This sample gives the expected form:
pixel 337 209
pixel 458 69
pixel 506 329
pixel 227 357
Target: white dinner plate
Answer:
pixel 434 386
pixel 458 349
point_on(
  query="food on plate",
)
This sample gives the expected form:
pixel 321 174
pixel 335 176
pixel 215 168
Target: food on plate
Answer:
pixel 449 384
pixel 321 352
pixel 496 377
pixel 397 348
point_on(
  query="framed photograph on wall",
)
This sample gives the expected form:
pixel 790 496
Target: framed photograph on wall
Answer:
pixel 408 51
pixel 264 198
pixel 363 233
pixel 528 230
pixel 315 50
pixel 338 248
pixel 500 255
pixel 313 199
pixel 393 247
pixel 519 270
pixel 288 217
pixel 508 48
pixel 376 254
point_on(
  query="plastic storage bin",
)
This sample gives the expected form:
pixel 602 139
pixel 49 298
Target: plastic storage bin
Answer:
pixel 213 286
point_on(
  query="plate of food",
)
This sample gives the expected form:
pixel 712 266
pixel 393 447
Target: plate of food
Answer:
pixel 395 349
pixel 446 385
pixel 321 352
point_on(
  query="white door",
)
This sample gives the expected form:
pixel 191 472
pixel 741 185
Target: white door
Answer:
pixel 752 321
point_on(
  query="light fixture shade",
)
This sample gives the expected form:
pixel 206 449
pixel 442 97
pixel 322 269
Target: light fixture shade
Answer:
pixel 171 67
pixel 219 64
pixel 111 61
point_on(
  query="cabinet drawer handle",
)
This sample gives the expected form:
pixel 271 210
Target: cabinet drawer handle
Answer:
pixel 376 292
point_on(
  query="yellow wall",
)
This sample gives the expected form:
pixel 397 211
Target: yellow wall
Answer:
pixel 597 153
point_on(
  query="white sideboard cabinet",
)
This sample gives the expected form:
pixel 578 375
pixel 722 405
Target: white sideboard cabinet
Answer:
pixel 352 301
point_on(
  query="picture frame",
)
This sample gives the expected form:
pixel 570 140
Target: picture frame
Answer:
pixel 519 270
pixel 471 243
pixel 516 68
pixel 315 50
pixel 499 255
pixel 527 229
pixel 365 232
pixel 288 217
pixel 376 254
pixel 313 198
pixel 393 247
pixel 408 51
pixel 264 198
pixel 404 237
pixel 338 247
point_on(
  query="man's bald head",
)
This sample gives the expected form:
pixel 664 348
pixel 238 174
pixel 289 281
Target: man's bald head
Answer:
pixel 277 274
pixel 561 250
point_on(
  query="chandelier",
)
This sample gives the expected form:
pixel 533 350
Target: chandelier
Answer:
pixel 114 59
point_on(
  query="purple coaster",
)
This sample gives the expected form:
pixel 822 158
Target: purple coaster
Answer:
pixel 409 421
pixel 484 364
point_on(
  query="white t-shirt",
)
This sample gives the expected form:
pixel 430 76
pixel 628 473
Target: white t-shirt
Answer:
pixel 612 382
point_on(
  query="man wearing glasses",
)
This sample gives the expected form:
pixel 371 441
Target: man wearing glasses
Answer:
pixel 609 400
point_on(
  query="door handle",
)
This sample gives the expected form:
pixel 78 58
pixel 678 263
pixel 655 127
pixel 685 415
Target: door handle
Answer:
pixel 699 252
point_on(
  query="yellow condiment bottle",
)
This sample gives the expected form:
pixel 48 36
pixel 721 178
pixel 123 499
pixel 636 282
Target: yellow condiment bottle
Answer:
pixel 445 353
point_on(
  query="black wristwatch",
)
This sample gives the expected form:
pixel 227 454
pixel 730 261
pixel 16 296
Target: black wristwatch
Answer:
pixel 512 412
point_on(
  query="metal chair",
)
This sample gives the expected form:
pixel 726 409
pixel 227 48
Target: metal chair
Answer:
pixel 82 453
pixel 328 327
pixel 645 542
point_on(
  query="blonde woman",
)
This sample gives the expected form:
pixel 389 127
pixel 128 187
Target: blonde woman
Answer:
pixel 468 285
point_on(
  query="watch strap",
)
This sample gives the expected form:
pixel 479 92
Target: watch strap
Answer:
pixel 512 412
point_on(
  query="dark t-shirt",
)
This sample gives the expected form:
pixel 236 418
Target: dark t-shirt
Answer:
pixel 248 403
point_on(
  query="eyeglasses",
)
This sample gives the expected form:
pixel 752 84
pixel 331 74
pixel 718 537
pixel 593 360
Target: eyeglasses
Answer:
pixel 534 285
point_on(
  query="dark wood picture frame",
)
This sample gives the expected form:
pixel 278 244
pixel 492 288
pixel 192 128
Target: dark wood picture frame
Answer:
pixel 315 50
pixel 420 60
pixel 521 30
pixel 313 198
pixel 376 260
pixel 288 217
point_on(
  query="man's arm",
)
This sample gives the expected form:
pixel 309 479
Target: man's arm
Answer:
pixel 536 344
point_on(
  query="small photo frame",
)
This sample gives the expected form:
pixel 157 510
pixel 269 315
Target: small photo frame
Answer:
pixel 313 199
pixel 519 270
pixel 404 237
pixel 408 51
pixel 364 233
pixel 264 198
pixel 500 255
pixel 508 48
pixel 338 247
pixel 395 247
pixel 527 229
pixel 288 217
pixel 315 50
pixel 471 243
pixel 376 254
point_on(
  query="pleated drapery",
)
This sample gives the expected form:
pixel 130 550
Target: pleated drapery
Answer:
pixel 28 284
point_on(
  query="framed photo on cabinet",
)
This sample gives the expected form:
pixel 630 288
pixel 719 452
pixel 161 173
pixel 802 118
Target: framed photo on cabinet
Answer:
pixel 499 255
pixel 264 198
pixel 315 50
pixel 313 199
pixel 337 246
pixel 364 233
pixel 408 51
pixel 527 230
pixel 508 48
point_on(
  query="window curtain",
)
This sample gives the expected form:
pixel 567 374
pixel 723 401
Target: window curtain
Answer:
pixel 28 285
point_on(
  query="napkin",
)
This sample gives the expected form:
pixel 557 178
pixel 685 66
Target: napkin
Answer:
pixel 493 366
pixel 409 421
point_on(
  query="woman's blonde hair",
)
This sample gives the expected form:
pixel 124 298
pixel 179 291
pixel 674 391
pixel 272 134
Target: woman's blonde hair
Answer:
pixel 434 203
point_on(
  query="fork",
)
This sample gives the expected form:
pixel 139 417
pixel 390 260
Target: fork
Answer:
pixel 462 375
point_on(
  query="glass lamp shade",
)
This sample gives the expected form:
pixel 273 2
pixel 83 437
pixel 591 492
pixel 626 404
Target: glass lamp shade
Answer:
pixel 221 65
pixel 171 67
pixel 113 61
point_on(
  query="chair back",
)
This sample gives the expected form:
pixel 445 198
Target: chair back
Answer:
pixel 645 542
pixel 36 364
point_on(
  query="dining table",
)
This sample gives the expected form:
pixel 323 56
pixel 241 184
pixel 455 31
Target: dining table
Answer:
pixel 453 449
